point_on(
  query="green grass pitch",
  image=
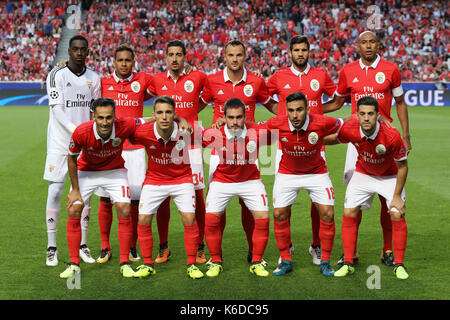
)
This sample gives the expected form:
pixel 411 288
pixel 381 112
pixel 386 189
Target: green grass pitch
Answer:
pixel 23 238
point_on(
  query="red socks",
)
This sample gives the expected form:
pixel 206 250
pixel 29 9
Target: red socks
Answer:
pixel 399 237
pixel 162 221
pixel 145 236
pixel 74 239
pixel 386 225
pixel 213 236
pixel 283 236
pixel 134 214
pixel 248 223
pixel 191 242
pixel 327 231
pixel 125 233
pixel 200 212
pixel 315 225
pixel 349 237
pixel 105 218
pixel 260 238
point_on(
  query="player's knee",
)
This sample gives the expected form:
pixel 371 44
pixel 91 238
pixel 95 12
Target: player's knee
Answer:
pixel 280 214
pixel 326 213
pixel 55 190
pixel 395 215
pixel 351 212
pixel 75 210
pixel 123 210
pixel 188 218
pixel 145 219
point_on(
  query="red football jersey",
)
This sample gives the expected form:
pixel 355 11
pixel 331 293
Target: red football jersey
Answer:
pixel 251 89
pixel 168 162
pixel 313 82
pixel 128 95
pixel 96 154
pixel 382 80
pixel 301 148
pixel 376 154
pixel 185 91
pixel 238 156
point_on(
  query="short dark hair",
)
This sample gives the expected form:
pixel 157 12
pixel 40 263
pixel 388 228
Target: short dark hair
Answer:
pixel 297 96
pixel 164 99
pixel 367 101
pixel 102 102
pixel 78 37
pixel 124 47
pixel 234 43
pixel 176 43
pixel 233 103
pixel 298 39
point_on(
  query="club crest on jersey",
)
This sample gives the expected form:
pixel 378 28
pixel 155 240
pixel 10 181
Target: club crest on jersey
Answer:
pixel 313 138
pixel 380 77
pixel 180 145
pixel 248 90
pixel 380 149
pixel 189 86
pixel 251 146
pixel 116 142
pixel 314 84
pixel 52 167
pixel 135 86
pixel 89 83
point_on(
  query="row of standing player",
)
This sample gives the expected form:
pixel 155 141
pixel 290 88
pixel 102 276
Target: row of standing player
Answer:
pixel 129 89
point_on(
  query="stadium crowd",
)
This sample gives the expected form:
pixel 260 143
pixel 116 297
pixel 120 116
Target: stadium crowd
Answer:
pixel 414 33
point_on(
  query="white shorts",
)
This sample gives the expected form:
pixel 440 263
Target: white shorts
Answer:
pixel 136 165
pixel 287 186
pixel 114 182
pixel 153 195
pixel 55 167
pixel 198 174
pixel 280 154
pixel 252 192
pixel 350 162
pixel 362 188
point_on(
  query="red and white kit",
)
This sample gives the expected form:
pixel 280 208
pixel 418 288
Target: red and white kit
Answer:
pixel 186 92
pixel 129 97
pixel 376 170
pixel 301 165
pixel 100 163
pixel 168 170
pixel 237 173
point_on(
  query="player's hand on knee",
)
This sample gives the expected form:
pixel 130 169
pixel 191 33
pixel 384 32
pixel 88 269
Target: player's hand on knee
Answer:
pixel 400 207
pixel 74 198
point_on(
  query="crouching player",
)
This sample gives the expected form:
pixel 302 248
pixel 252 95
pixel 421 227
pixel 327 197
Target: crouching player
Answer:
pixel 100 143
pixel 381 168
pixel 237 144
pixel 168 174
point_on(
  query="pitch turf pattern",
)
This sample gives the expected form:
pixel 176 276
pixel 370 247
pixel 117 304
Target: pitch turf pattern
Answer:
pixel 23 274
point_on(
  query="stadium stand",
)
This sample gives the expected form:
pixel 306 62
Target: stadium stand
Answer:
pixel 414 33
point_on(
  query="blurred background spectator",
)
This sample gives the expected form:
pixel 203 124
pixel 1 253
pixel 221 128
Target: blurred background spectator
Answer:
pixel 414 33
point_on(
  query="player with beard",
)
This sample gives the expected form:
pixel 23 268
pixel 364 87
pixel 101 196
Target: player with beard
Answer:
pixel 314 83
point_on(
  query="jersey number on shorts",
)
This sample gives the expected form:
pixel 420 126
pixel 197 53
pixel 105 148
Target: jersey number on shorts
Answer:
pixel 126 192
pixel 264 197
pixel 198 178
pixel 330 193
